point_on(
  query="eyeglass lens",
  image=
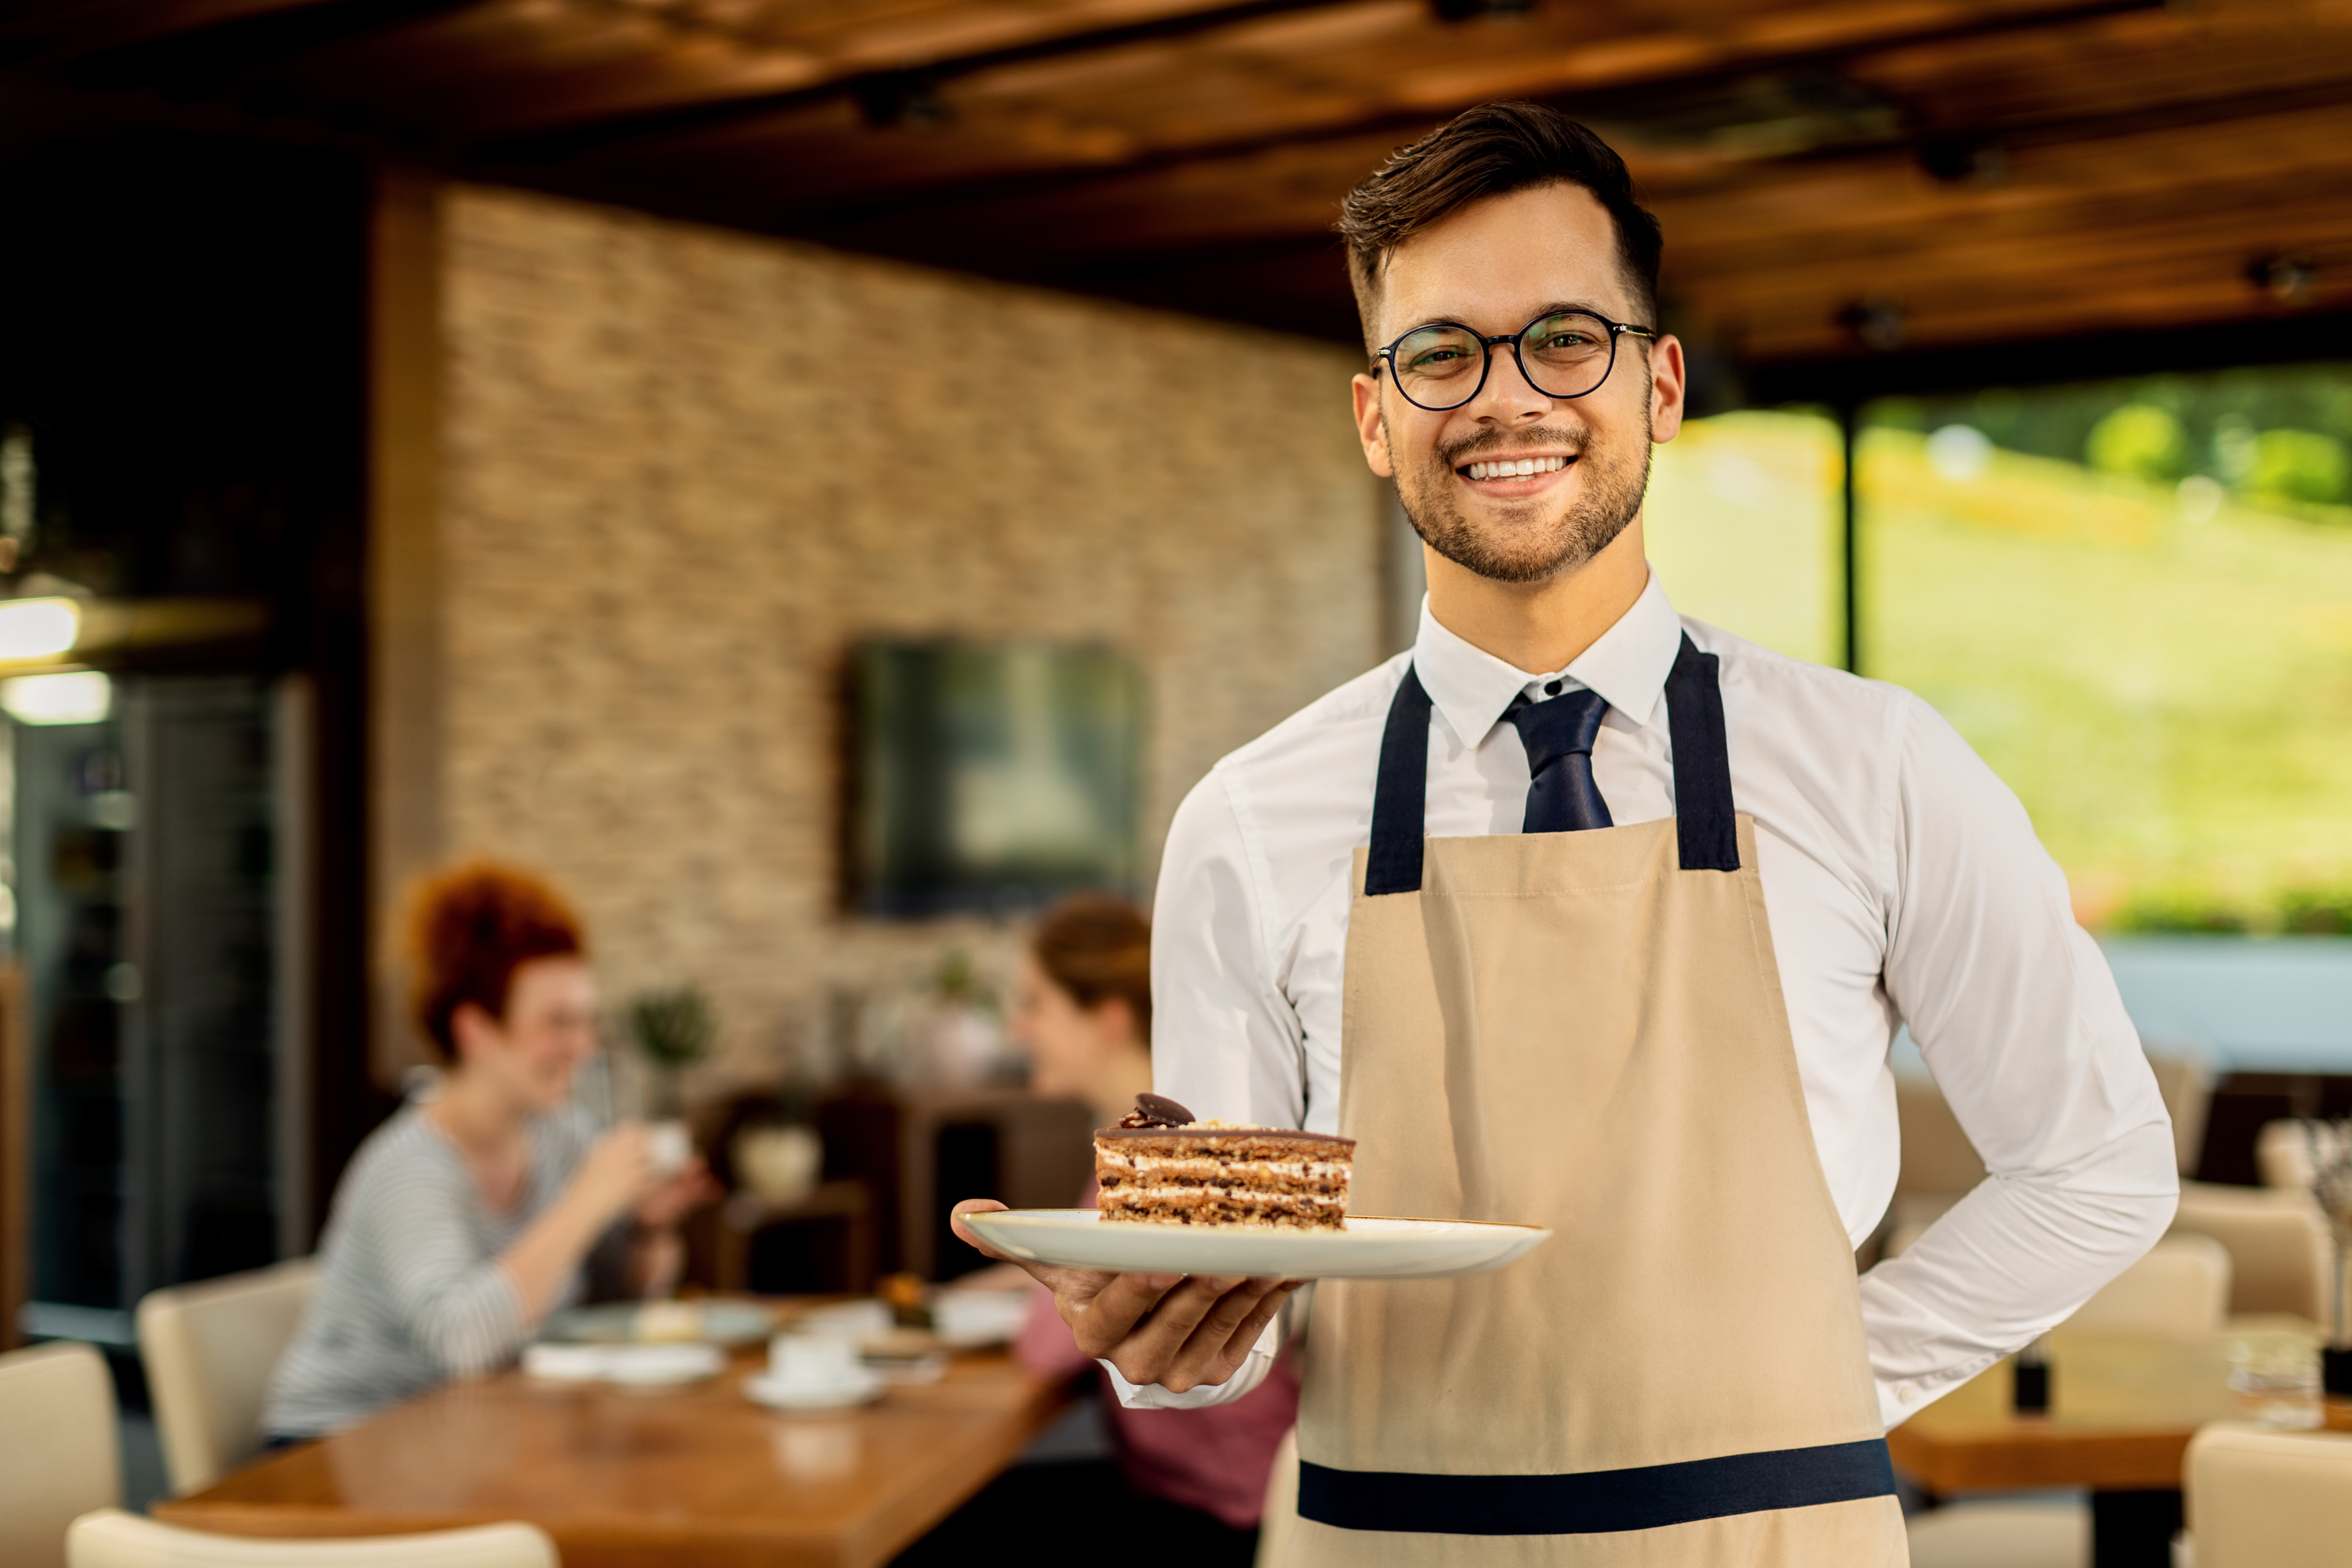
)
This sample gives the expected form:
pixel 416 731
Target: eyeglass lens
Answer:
pixel 1564 355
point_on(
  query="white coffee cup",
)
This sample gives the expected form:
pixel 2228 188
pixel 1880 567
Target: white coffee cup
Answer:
pixel 814 1361
pixel 670 1145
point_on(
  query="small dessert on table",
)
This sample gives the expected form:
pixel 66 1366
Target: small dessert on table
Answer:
pixel 1160 1166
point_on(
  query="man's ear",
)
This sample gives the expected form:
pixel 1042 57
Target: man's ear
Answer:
pixel 1370 428
pixel 1668 382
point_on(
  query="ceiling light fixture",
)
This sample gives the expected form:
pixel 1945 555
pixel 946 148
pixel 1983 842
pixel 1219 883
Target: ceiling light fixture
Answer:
pixel 72 697
pixel 2289 280
pixel 1451 11
pixel 901 100
pixel 37 628
pixel 1882 324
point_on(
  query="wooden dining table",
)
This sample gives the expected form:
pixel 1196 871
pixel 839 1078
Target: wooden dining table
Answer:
pixel 686 1476
pixel 2121 1414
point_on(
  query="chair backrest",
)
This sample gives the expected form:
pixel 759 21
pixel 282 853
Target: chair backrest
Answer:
pixel 2187 1086
pixel 57 1453
pixel 2260 1498
pixel 2180 1290
pixel 2287 1153
pixel 209 1348
pixel 2279 1249
pixel 112 1539
pixel 1938 1157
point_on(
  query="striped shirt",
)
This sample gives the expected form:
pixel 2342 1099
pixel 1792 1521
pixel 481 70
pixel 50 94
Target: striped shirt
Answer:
pixel 410 1293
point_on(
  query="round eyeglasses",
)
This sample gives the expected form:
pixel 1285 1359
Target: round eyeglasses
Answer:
pixel 1563 353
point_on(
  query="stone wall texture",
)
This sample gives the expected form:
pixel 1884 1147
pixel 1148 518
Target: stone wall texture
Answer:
pixel 684 470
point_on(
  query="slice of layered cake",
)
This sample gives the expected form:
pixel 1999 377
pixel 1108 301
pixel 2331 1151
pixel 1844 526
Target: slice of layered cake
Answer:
pixel 1160 1166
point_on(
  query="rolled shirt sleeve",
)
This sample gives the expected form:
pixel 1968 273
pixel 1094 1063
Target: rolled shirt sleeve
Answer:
pixel 2020 1021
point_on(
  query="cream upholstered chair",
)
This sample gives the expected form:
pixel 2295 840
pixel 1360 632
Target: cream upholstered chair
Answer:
pixel 2279 1250
pixel 1275 1524
pixel 2000 1534
pixel 2186 1085
pixel 112 1539
pixel 2260 1498
pixel 58 1454
pixel 1940 1165
pixel 2180 1291
pixel 209 1348
pixel 2288 1151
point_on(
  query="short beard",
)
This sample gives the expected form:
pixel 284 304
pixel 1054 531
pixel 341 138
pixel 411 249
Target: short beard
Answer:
pixel 1611 498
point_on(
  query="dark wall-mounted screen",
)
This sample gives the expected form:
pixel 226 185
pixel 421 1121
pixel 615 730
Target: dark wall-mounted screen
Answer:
pixel 990 777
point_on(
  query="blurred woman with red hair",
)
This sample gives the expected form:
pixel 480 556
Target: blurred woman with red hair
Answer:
pixel 473 1214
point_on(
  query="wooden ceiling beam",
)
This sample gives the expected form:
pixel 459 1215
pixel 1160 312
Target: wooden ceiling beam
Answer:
pixel 1437 70
pixel 856 75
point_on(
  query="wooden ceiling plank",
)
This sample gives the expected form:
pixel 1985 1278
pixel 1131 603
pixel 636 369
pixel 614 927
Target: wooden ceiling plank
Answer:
pixel 1555 48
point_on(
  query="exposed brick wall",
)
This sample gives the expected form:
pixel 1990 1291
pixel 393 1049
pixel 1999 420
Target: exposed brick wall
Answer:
pixel 684 470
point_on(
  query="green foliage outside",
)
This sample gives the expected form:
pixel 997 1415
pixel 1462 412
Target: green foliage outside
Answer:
pixel 2298 465
pixel 2139 440
pixel 2163 675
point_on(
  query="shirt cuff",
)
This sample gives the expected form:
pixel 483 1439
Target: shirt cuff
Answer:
pixel 1901 1400
pixel 1245 1377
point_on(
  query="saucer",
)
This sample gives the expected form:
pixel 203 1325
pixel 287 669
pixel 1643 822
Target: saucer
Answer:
pixel 765 1388
pixel 642 1366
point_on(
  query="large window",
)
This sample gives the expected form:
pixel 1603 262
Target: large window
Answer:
pixel 2135 599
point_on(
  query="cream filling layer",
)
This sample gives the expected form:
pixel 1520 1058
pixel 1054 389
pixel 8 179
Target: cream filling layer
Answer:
pixel 1257 1195
pixel 1227 1169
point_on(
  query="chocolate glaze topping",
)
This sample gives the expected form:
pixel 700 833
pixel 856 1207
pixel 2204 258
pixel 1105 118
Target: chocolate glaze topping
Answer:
pixel 1155 1115
pixel 1155 1110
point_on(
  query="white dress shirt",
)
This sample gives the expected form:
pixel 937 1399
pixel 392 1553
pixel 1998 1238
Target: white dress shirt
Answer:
pixel 1903 881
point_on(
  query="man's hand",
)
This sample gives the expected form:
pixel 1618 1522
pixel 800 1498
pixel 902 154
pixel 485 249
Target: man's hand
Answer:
pixel 1166 1329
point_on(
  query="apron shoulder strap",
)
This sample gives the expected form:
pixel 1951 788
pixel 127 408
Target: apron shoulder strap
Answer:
pixel 1707 830
pixel 1399 791
pixel 1705 821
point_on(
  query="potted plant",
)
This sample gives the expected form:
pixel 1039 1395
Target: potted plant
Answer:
pixel 674 1029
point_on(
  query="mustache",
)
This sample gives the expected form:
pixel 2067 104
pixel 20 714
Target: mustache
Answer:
pixel 1478 446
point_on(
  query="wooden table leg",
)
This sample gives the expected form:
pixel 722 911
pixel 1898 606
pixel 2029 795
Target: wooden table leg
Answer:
pixel 2134 1530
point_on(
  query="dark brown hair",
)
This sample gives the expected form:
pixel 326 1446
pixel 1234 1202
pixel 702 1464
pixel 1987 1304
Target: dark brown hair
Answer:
pixel 1492 151
pixel 1097 949
pixel 470 929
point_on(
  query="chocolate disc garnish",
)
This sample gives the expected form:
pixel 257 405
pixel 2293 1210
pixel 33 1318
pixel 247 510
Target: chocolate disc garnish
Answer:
pixel 1155 1110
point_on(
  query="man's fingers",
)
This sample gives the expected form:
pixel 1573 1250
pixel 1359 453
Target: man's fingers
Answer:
pixel 970 1237
pixel 1103 1314
pixel 1156 1347
pixel 1221 1345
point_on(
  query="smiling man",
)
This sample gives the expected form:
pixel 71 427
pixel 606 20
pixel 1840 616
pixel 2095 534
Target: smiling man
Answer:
pixel 1587 915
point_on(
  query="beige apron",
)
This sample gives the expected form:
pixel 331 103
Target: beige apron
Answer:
pixel 1585 1030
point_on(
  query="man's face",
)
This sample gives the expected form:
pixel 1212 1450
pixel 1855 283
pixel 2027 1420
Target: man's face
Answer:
pixel 1494 267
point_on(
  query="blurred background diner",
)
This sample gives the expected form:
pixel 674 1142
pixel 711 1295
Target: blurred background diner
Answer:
pixel 490 1201
pixel 817 485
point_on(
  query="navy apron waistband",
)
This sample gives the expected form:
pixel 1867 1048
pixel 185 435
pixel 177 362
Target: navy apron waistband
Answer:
pixel 1595 1502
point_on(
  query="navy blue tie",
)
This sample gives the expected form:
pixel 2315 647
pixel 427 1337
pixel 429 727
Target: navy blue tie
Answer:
pixel 1558 736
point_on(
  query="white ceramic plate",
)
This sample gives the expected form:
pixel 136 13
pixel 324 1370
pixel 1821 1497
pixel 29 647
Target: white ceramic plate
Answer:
pixel 645 1365
pixel 724 1322
pixel 1369 1249
pixel 777 1395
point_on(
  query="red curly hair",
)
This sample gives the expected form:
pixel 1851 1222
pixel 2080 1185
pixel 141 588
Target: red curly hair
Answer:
pixel 470 929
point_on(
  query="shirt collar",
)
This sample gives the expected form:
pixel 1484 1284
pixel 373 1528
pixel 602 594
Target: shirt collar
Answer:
pixel 1627 665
